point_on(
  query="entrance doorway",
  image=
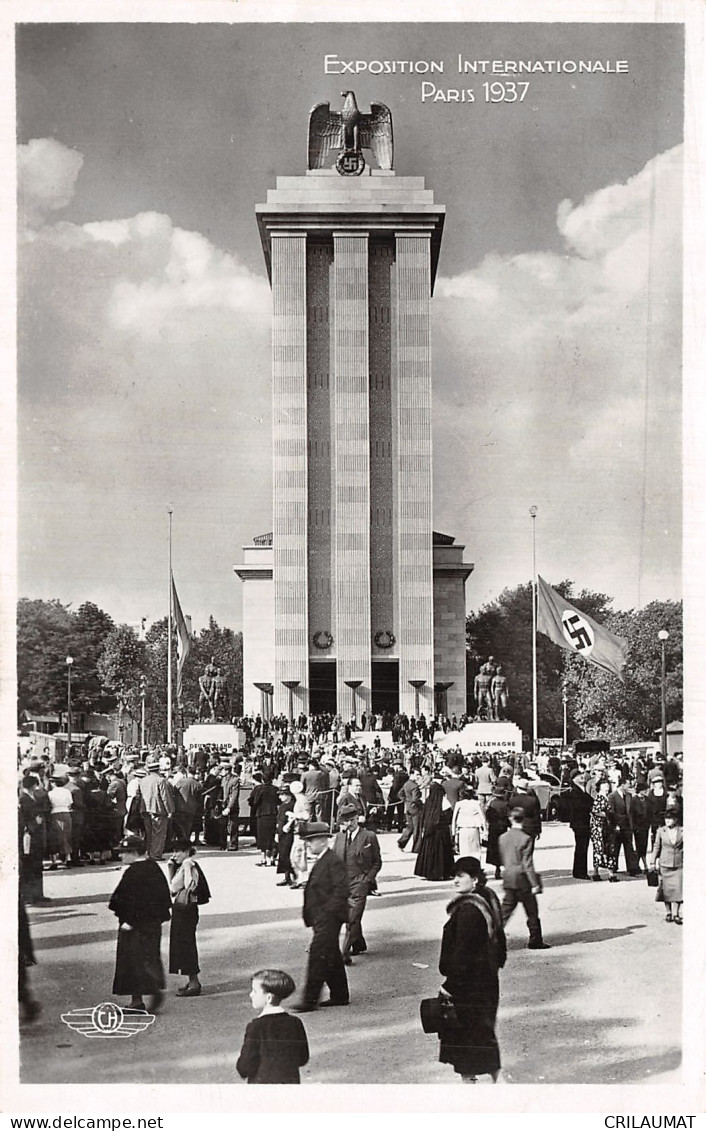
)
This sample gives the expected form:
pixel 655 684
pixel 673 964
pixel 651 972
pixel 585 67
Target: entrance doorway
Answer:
pixel 322 687
pixel 386 686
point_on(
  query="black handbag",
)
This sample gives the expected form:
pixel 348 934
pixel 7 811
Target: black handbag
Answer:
pixel 438 1014
pixel 652 878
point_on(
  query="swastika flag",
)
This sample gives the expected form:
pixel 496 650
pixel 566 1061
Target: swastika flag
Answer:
pixel 183 635
pixel 577 632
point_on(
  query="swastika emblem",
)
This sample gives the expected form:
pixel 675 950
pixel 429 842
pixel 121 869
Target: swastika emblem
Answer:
pixel 578 632
pixel 350 164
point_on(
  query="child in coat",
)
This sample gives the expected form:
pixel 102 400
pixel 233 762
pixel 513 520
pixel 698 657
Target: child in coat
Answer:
pixel 275 1045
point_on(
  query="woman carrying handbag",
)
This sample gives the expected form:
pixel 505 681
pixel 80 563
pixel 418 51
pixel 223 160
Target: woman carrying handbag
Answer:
pixel 188 887
pixel 668 860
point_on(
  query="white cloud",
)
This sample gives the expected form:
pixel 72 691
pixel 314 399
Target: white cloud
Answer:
pixel 46 177
pixel 559 375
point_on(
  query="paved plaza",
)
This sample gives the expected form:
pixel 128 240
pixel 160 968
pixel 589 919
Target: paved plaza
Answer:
pixel 598 1008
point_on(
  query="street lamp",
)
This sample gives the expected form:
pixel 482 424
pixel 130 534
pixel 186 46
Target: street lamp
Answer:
pixel 69 662
pixel 663 637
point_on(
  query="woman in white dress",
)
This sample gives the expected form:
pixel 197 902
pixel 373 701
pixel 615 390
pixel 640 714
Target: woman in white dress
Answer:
pixel 468 824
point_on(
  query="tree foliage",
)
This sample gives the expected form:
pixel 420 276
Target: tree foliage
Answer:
pixel 122 664
pixel 44 640
pixel 110 664
pixel 214 641
pixel 622 711
pixel 598 703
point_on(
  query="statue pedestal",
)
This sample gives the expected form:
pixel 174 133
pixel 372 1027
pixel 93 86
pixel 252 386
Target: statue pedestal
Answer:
pixel 214 734
pixel 484 738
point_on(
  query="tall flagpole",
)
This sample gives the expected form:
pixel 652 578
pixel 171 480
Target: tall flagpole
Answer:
pixel 533 513
pixel 169 636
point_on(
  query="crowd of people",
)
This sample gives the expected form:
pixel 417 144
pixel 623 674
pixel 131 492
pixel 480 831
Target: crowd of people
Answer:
pixel 316 812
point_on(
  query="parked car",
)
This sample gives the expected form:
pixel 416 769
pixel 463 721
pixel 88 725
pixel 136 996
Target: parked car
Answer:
pixel 553 797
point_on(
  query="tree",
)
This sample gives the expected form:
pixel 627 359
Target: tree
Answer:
pixel 45 637
pixel 226 649
pixel 224 645
pixel 503 629
pixel 627 710
pixel 122 664
pixel 92 628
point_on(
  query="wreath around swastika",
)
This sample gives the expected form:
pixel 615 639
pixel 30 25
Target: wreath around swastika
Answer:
pixel 323 639
pixel 384 639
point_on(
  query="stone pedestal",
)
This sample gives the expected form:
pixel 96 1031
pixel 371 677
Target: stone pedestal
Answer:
pixel 214 734
pixel 485 738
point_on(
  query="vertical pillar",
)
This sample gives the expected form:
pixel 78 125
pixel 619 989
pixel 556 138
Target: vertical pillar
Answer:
pixel 414 477
pixel 351 436
pixel 289 467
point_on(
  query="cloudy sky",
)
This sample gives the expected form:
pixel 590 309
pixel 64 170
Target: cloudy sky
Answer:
pixel 144 375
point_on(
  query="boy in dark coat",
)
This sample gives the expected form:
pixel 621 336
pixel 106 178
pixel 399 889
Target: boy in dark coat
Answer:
pixel 275 1045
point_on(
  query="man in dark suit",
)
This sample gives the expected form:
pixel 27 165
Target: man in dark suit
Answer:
pixel 316 783
pixel 359 850
pixel 580 806
pixel 523 798
pixel 620 812
pixel 520 881
pixel 325 910
pixel 411 796
pixel 230 789
pixel 395 805
pixel 352 795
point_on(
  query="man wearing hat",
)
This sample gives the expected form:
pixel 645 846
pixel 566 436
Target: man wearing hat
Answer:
pixel 359 849
pixel 525 799
pixel 411 797
pixel 580 806
pixel 325 910
pixel 156 806
pixel 78 814
pixel 230 790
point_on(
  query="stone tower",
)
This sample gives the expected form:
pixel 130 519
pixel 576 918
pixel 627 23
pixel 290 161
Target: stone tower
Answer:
pixel 344 601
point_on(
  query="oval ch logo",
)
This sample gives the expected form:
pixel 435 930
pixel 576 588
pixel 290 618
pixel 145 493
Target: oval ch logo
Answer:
pixel 578 632
pixel 108 1020
pixel 108 1017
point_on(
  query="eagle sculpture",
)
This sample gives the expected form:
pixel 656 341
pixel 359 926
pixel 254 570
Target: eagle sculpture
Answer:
pixel 350 132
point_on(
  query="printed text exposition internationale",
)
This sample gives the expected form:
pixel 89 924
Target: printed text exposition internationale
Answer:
pixel 335 65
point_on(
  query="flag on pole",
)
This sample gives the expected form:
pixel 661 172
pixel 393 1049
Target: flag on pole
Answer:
pixel 183 632
pixel 568 627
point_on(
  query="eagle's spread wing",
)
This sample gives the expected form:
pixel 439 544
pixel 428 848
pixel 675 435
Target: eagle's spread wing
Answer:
pixel 376 133
pixel 324 134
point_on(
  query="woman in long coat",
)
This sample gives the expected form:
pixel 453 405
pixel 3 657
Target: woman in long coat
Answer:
pixel 496 816
pixel 435 859
pixel 285 836
pixel 142 903
pixel 264 803
pixel 473 950
pixel 183 885
pixel 668 858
